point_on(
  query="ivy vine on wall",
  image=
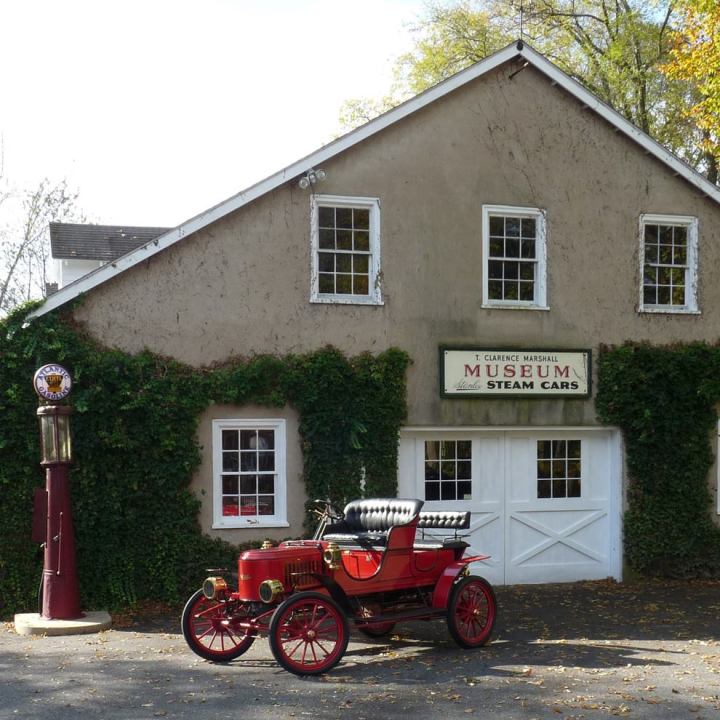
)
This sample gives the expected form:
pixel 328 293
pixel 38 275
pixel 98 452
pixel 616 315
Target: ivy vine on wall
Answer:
pixel 665 401
pixel 135 448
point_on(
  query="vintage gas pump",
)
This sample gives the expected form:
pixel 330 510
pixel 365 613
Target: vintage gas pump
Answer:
pixel 60 592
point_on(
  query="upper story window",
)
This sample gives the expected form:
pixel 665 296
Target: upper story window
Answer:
pixel 514 257
pixel 249 478
pixel 346 250
pixel 668 262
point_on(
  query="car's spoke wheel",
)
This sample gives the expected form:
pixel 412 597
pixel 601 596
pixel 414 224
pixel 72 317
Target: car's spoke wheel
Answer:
pixel 210 633
pixel 308 633
pixel 471 612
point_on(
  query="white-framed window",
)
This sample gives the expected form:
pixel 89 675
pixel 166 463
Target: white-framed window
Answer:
pixel 559 468
pixel 514 257
pixel 668 263
pixel 249 473
pixel 345 242
pixel 448 470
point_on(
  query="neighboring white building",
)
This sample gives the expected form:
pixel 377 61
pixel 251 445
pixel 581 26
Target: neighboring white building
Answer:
pixel 78 249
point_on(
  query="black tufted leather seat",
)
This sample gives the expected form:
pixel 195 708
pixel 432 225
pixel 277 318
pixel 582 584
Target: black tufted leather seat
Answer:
pixel 367 522
pixel 442 520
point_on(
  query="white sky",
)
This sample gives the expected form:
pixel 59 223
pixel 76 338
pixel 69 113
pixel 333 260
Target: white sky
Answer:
pixel 157 110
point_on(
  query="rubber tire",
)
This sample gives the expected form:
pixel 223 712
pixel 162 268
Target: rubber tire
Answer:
pixel 278 624
pixel 191 633
pixel 467 595
pixel 378 631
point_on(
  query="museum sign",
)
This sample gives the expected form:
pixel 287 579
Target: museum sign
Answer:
pixel 476 372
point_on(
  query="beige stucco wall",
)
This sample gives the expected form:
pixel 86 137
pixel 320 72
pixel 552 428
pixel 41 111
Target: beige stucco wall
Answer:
pixel 202 484
pixel 242 285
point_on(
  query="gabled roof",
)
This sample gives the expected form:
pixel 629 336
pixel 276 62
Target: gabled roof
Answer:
pixel 78 241
pixel 517 50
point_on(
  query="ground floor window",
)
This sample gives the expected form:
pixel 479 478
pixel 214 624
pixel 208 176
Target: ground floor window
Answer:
pixel 448 470
pixel 559 465
pixel 249 477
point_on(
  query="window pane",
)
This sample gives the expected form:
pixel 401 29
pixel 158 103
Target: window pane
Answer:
pixel 559 448
pixel 512 270
pixel 326 283
pixel 362 241
pixel 511 291
pixel 512 248
pixel 343 217
pixel 248 505
pixel 495 289
pixel 248 439
pixel 360 285
pixel 543 469
pixel 248 461
pixel 679 255
pixel 558 469
pixel 651 233
pixel 543 448
pixel 650 276
pixel 447 491
pixel 651 253
pixel 678 295
pixel 573 448
pixel 527 271
pixel 448 470
pixel 495 269
pixel 344 240
pixel 326 262
pixel 266 439
pixel 266 461
pixel 326 217
pixel 230 506
pixel 266 505
pixel 663 295
pixel 573 488
pixel 230 462
pixel 432 449
pixel 527 248
pixel 343 284
pixel 361 218
pixel 497 226
pixel 448 449
pixel 527 291
pixel 432 490
pixel 543 489
pixel 229 440
pixel 464 470
pixel 573 468
pixel 464 491
pixel 360 264
pixel 665 254
pixel 326 239
pixel 559 488
pixel 266 483
pixel 497 248
pixel 343 263
pixel 432 470
pixel 230 485
pixel 650 295
pixel 528 227
pixel 464 449
pixel 666 234
pixel 512 227
pixel 248 484
pixel 680 235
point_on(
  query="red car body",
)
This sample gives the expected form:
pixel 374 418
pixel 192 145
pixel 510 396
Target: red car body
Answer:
pixel 304 593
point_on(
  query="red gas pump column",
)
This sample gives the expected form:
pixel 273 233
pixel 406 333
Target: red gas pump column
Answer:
pixel 60 591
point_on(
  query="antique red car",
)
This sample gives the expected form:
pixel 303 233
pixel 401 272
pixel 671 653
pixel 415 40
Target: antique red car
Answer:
pixel 382 562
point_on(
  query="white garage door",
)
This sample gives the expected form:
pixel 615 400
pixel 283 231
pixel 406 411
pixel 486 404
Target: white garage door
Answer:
pixel 545 504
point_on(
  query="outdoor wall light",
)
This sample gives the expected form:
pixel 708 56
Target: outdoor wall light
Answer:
pixel 311 178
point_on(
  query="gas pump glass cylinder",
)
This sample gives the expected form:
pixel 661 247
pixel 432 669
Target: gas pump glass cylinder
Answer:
pixel 55 434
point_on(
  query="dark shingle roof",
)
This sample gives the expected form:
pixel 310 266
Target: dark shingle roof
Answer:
pixel 98 242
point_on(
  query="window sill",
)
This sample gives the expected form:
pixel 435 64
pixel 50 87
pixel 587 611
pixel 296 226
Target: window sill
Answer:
pixel 250 526
pixel 668 311
pixel 513 306
pixel 344 300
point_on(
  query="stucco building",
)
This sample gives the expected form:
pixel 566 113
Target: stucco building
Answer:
pixel 499 227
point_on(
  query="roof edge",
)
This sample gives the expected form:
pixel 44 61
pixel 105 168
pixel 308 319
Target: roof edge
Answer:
pixel 515 49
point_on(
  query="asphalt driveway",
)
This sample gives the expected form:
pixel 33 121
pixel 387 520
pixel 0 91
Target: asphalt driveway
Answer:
pixel 588 650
